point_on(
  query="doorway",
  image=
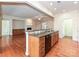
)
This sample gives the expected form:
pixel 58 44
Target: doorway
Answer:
pixel 5 27
pixel 67 27
pixel 18 27
pixel 6 38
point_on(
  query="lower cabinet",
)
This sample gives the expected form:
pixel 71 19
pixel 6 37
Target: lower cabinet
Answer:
pixel 47 43
pixel 36 46
pixel 40 46
pixel 54 38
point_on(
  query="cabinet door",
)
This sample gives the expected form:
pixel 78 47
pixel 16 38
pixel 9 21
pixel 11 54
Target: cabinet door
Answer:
pixel 57 36
pixel 5 27
pixel 33 46
pixel 52 37
pixel 47 43
pixel 42 46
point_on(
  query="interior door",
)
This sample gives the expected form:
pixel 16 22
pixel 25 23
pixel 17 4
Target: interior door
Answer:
pixel 67 25
pixel 5 27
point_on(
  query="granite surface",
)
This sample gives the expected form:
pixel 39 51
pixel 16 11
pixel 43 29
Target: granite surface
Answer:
pixel 42 34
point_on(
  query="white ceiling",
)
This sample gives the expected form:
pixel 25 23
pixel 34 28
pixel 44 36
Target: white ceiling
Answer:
pixel 22 11
pixel 25 11
pixel 63 6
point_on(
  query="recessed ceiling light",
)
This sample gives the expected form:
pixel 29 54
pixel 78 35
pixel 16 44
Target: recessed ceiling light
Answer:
pixel 51 3
pixel 55 8
pixel 75 2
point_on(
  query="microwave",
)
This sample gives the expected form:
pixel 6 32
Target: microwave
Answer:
pixel 29 28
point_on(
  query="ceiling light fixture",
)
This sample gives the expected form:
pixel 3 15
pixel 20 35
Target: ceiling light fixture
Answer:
pixel 75 2
pixel 51 3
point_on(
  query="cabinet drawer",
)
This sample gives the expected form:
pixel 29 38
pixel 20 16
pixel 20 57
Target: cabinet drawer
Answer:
pixel 42 46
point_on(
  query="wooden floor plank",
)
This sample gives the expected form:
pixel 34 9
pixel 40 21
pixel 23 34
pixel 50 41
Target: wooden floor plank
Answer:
pixel 16 48
pixel 66 47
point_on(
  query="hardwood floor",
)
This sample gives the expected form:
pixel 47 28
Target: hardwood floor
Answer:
pixel 15 46
pixel 66 47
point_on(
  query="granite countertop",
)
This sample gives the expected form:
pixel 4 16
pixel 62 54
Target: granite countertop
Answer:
pixel 42 34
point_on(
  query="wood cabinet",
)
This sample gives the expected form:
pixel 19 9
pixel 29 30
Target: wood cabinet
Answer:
pixel 47 43
pixel 54 38
pixel 40 46
pixel 36 46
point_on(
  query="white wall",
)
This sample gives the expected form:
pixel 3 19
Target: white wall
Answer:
pixel 58 22
pixel 18 24
pixel 10 18
pixel 6 27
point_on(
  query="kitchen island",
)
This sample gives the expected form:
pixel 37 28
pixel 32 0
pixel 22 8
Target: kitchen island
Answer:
pixel 41 43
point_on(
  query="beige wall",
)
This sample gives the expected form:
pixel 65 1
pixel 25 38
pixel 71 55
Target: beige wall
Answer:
pixel 49 21
pixel 38 24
